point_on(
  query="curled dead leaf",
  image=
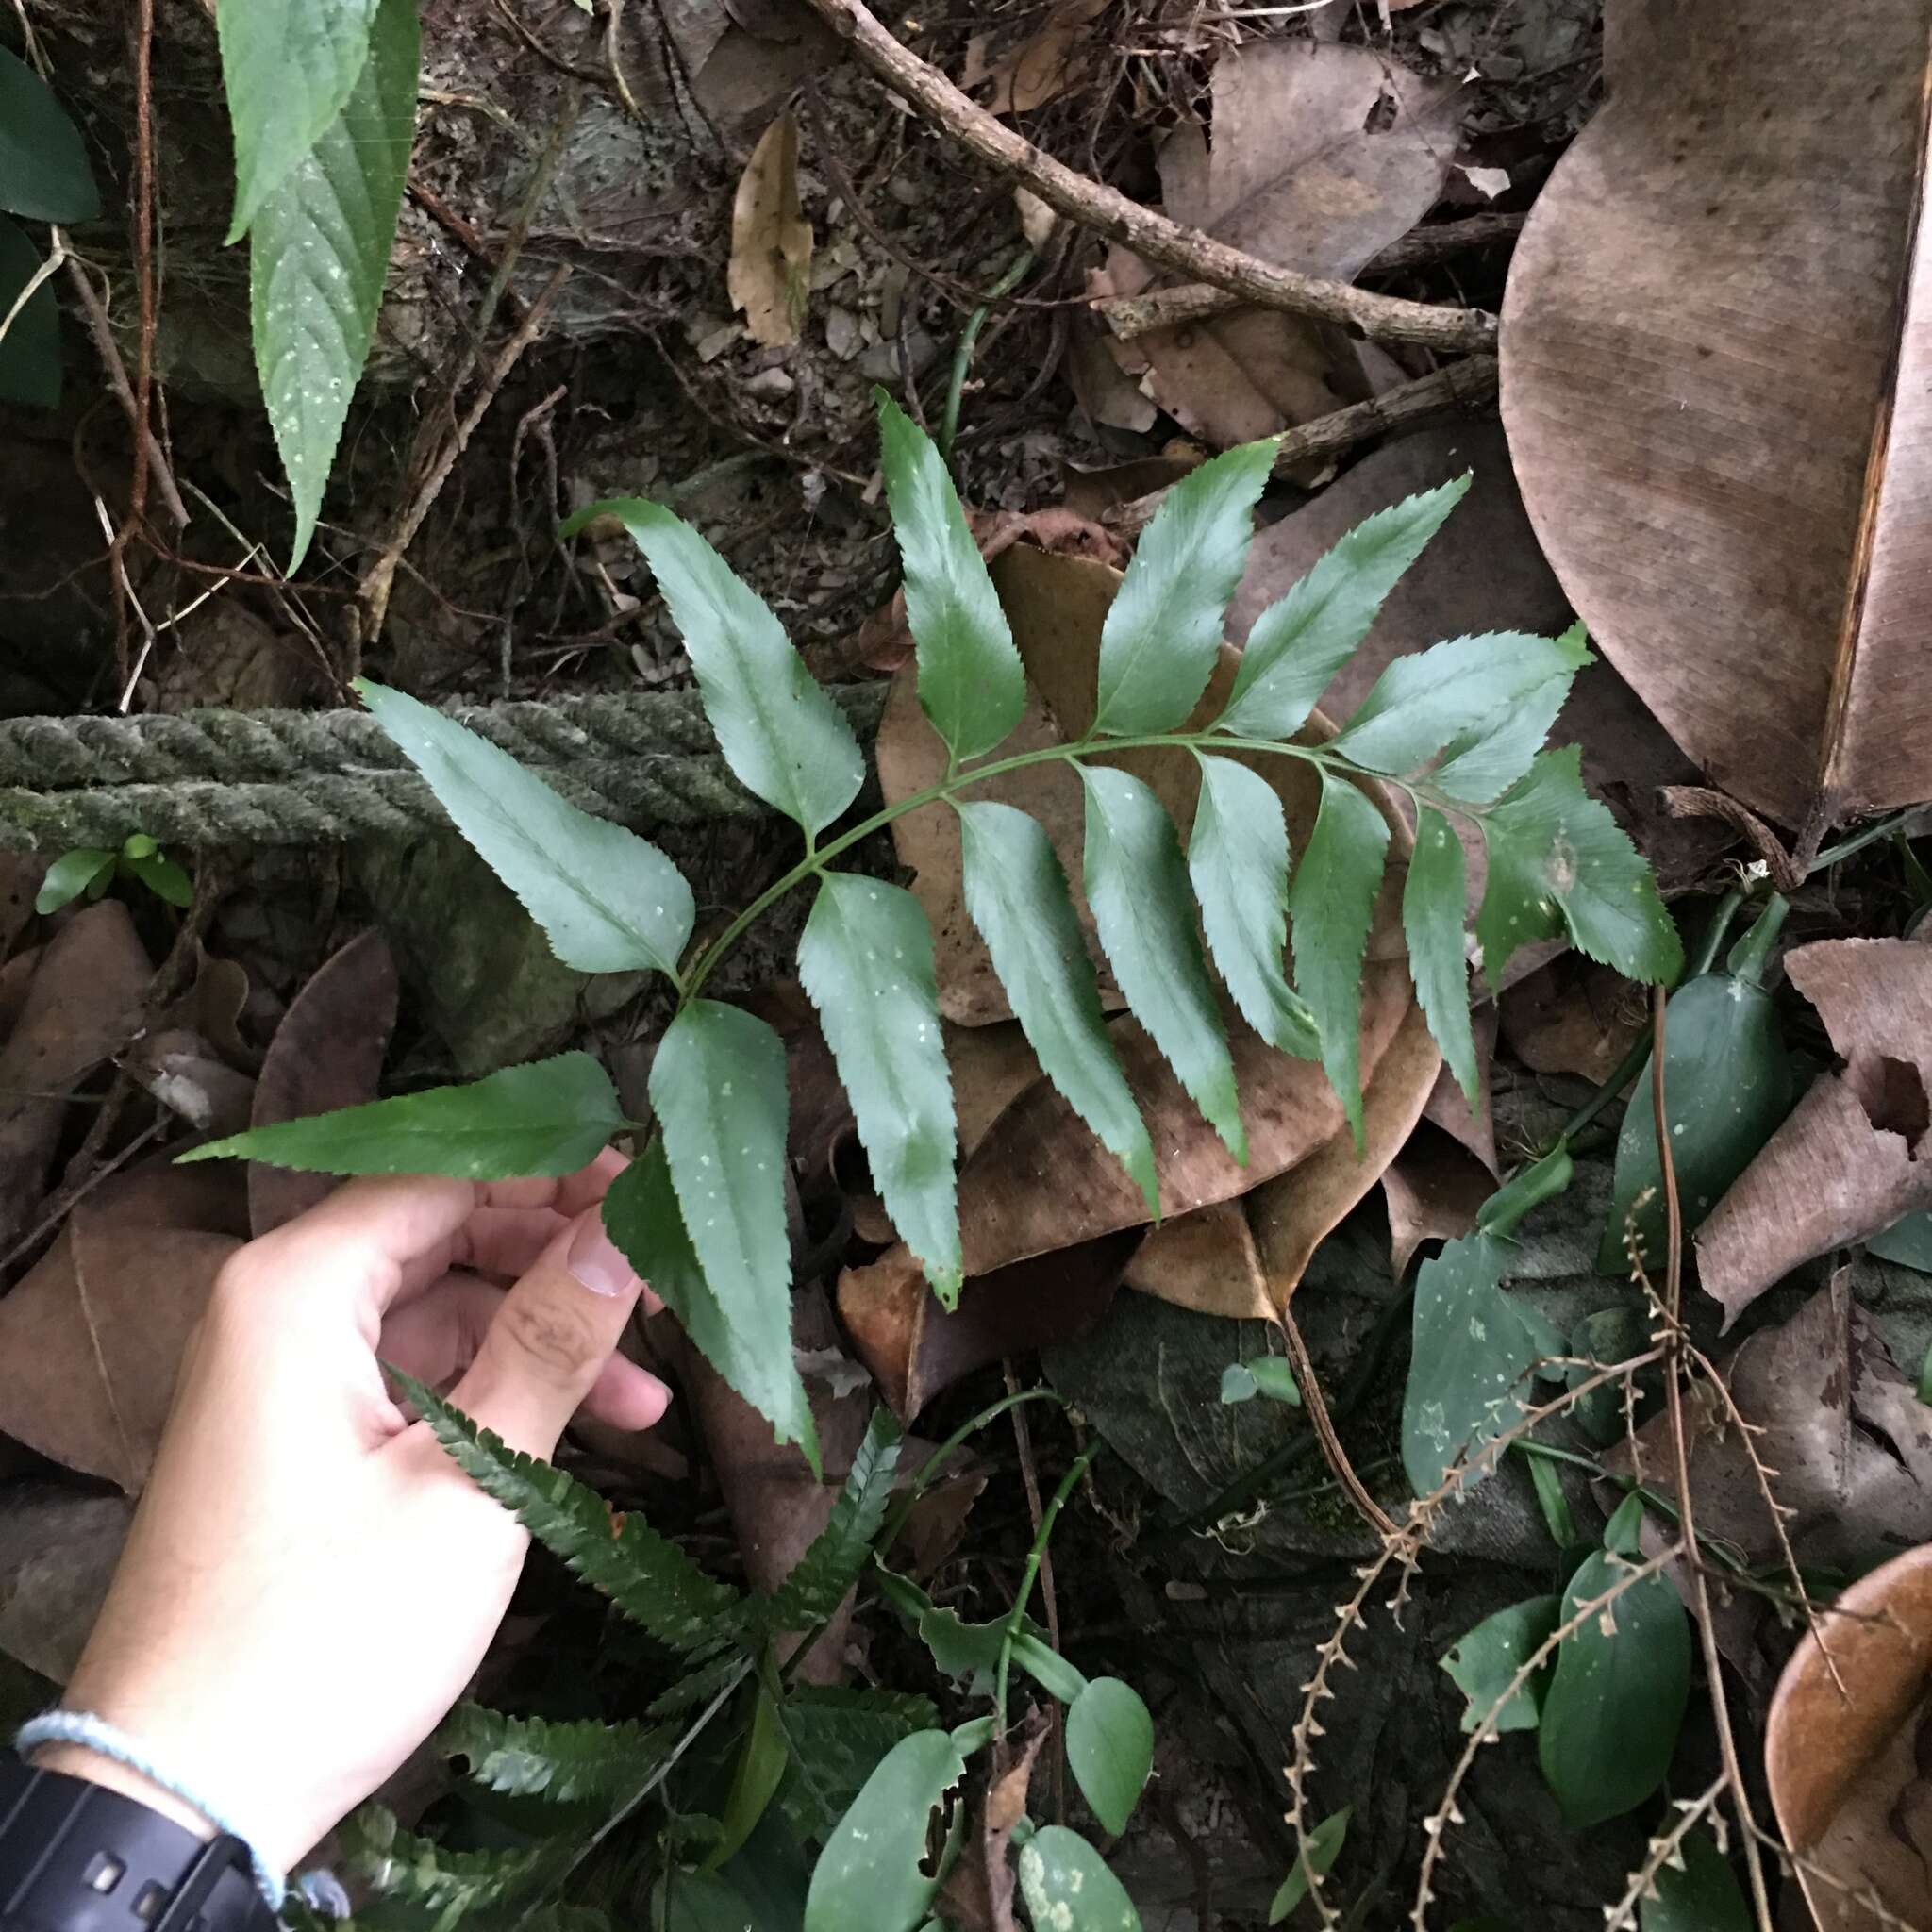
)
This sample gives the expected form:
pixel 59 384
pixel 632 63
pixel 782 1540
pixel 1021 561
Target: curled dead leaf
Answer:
pixel 978 1895
pixel 770 273
pixel 1856 1154
pixel 1683 289
pixel 1846 1746
pixel 92 1337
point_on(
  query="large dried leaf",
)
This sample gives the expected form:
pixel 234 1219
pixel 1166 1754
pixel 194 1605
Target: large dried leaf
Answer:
pixel 91 1339
pixel 327 1053
pixel 1856 1154
pixel 1482 572
pixel 1321 155
pixel 1714 382
pixel 1206 1260
pixel 771 240
pixel 915 1348
pixel 1845 1751
pixel 1295 1213
pixel 82 1005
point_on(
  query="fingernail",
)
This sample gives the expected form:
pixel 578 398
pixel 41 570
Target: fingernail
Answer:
pixel 593 1257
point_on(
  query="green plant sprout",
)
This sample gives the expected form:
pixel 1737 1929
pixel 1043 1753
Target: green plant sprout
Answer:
pixel 1458 728
pixel 88 870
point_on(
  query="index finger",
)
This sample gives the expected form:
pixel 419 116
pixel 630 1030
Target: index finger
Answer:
pixel 367 1234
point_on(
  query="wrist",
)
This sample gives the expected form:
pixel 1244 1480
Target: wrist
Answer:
pixel 78 1760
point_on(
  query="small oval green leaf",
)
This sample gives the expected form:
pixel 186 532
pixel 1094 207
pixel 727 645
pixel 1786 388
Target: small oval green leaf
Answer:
pixel 1483 1664
pixel 1110 1749
pixel 44 174
pixel 1068 1887
pixel 1614 1707
pixel 1727 1087
pixel 70 875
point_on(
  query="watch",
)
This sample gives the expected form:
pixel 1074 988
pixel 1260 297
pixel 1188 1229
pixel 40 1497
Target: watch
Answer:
pixel 75 1857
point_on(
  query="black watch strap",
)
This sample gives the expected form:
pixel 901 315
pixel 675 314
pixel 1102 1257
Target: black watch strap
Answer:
pixel 75 1857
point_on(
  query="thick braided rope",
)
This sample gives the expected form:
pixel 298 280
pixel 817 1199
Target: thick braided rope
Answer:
pixel 316 777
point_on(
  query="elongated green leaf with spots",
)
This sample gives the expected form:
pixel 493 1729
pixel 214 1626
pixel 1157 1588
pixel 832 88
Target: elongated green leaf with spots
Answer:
pixel 1432 909
pixel 1017 896
pixel 1331 903
pixel 783 737
pixel 318 255
pixel 1137 886
pixel 865 960
pixel 1162 631
pixel 1300 642
pixel 551 1117
pixel 608 901
pixel 286 70
pixel 971 682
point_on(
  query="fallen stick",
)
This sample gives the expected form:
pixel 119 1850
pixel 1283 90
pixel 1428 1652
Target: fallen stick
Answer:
pixel 1129 316
pixel 1150 235
pixel 1455 386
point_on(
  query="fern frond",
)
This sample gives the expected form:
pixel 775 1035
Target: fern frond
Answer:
pixel 533 1757
pixel 830 1567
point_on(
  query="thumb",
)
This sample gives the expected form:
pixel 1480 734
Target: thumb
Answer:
pixel 550 1338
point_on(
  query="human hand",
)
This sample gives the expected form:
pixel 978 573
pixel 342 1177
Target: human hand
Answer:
pixel 310 1581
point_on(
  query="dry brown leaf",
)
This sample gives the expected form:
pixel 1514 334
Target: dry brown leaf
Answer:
pixel 978 1895
pixel 1845 1749
pixel 327 1053
pixel 1856 1153
pixel 1111 398
pixel 1714 379
pixel 770 275
pixel 1483 571
pixel 1094 492
pixel 180 1070
pixel 92 1337
pixel 1842 1426
pixel 1293 1214
pixel 1434 1188
pixel 1320 156
pixel 1207 1261
pixel 915 1348
pixel 1063 55
pixel 1574 1016
pixel 57 1553
pixel 83 1003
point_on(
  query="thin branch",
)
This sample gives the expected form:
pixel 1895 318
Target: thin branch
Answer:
pixel 1333 1453
pixel 102 333
pixel 1151 236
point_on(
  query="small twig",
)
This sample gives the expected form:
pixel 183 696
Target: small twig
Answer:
pixel 1029 1476
pixel 102 333
pixel 1129 316
pixel 381 577
pixel 1151 236
pixel 1455 386
pixel 1333 1453
pixel 1701 802
pixel 144 285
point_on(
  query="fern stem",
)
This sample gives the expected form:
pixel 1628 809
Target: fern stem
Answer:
pixel 816 860
pixel 1018 1613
